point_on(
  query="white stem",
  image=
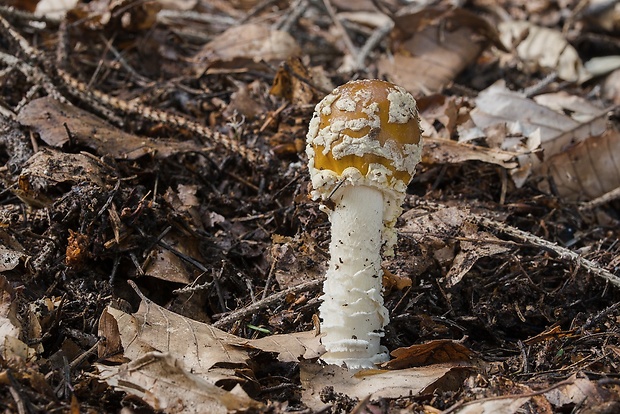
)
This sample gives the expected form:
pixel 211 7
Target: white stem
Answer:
pixel 352 312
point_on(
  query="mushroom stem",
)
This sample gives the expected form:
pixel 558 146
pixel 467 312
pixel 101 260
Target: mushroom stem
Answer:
pixel 352 310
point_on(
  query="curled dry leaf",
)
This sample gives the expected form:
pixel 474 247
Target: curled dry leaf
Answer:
pixel 10 327
pixel 11 252
pixel 49 167
pixel 438 232
pixel 552 333
pixel 434 352
pixel 586 170
pixel 446 151
pixel 611 87
pixel 160 380
pixel 240 46
pixel 439 108
pixel 541 47
pixel 376 383
pixel 291 82
pixel 435 45
pixel 523 118
pixel 164 340
pixel 58 123
pixel 477 244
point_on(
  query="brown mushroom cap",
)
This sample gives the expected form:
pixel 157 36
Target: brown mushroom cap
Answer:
pixel 371 126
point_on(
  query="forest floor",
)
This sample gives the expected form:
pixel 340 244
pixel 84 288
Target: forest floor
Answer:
pixel 154 198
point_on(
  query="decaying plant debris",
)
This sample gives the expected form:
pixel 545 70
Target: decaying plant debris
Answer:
pixel 159 252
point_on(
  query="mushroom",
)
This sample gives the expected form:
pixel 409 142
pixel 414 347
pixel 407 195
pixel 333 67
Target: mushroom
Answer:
pixel 363 145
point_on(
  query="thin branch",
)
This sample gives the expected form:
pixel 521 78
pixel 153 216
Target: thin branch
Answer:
pixel 277 297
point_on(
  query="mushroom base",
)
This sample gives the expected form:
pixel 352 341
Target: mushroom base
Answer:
pixel 352 312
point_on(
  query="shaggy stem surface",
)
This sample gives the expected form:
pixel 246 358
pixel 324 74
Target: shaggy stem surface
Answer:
pixel 352 312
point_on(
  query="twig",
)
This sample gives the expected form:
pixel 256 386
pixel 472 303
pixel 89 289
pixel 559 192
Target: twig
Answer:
pixel 96 98
pixel 297 9
pixel 559 251
pixel 528 395
pixel 375 38
pixel 264 303
pixel 345 35
pixel 605 198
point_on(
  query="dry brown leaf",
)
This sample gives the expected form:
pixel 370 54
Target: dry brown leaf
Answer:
pixel 434 352
pixel 165 264
pixel 438 43
pixel 586 170
pixel 445 151
pixel 603 18
pixel 198 356
pixel 243 104
pixel 291 347
pixel 541 47
pixel 10 327
pixel 58 123
pixel 512 114
pixel 577 391
pixel 509 405
pixel 477 245
pixel 48 167
pixel 241 46
pixel 611 87
pixel 374 383
pixel 11 252
pixel 435 228
pixel 289 82
pixel 554 332
pixel 438 108
pixel 110 350
pixel 162 381
pixel 499 105
pixel 197 345
pixel 439 231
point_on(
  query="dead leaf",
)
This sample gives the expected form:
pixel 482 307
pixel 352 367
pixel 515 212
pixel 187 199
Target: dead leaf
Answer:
pixel 475 245
pixel 434 352
pixel 49 167
pixel 243 103
pixel 576 392
pixel 497 104
pixel 446 151
pixel 166 262
pixel 437 44
pixel 11 252
pixel 586 170
pixel 298 260
pixel 438 108
pixel 523 118
pixel 11 346
pixel 554 332
pixel 110 350
pixel 291 347
pixel 77 250
pixel 504 405
pixel 374 383
pixel 611 87
pixel 291 82
pixel 58 123
pixel 168 385
pixel 243 45
pixel 542 47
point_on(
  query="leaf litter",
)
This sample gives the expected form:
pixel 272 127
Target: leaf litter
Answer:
pixel 164 147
